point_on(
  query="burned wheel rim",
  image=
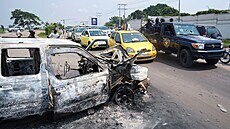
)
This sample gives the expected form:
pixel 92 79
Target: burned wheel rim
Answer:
pixel 124 96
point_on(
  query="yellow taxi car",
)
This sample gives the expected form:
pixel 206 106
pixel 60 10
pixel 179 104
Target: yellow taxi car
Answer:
pixel 89 35
pixel 133 42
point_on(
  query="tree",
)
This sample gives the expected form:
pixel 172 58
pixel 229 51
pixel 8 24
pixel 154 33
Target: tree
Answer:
pixel 160 10
pixel 114 21
pixel 138 14
pixel 157 10
pixel 210 11
pixel 24 18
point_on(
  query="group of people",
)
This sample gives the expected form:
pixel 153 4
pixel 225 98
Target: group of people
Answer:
pixel 31 35
pixel 54 34
pixel 154 26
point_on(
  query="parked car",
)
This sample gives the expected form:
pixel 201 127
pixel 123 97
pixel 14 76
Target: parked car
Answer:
pixel 133 42
pixel 15 28
pixel 56 75
pixel 69 33
pixel 89 35
pixel 77 33
pixel 209 31
pixel 105 29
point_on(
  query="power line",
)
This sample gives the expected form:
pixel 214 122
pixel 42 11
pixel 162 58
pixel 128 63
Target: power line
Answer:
pixel 119 9
pixel 98 15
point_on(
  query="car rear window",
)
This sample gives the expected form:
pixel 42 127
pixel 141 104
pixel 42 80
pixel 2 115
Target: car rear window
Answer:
pixel 17 62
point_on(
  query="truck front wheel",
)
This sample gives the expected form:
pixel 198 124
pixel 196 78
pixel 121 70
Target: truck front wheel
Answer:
pixel 212 61
pixel 185 58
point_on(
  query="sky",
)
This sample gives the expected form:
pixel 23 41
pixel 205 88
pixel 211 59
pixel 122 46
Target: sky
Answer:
pixel 76 11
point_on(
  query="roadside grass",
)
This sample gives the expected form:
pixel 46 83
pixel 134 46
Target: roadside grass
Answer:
pixel 226 42
pixel 42 35
pixel 1 31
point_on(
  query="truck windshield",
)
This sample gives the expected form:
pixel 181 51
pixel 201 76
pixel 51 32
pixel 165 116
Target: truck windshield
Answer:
pixel 133 37
pixel 186 29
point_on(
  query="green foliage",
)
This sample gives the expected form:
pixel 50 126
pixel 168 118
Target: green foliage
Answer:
pixel 226 42
pixel 24 18
pixel 1 31
pixel 160 10
pixel 49 29
pixel 138 14
pixel 109 24
pixel 114 21
pixel 185 14
pixel 42 35
pixel 212 11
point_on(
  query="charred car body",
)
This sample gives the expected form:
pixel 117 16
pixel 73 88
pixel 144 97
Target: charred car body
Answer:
pixel 40 75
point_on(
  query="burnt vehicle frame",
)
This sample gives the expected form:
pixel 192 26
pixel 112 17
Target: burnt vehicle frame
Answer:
pixel 41 90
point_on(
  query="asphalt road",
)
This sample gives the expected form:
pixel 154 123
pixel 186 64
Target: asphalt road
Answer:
pixel 196 91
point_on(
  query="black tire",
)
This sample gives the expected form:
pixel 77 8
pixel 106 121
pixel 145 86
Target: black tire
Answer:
pixel 185 58
pixel 212 61
pixel 226 58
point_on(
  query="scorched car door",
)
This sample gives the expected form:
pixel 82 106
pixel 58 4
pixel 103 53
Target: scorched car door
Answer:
pixel 77 82
pixel 23 83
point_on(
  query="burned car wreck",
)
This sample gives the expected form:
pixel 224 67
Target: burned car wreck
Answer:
pixel 41 75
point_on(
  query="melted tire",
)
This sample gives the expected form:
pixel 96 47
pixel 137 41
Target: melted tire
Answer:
pixel 124 96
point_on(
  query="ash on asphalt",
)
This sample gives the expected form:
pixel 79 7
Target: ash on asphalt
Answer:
pixel 151 111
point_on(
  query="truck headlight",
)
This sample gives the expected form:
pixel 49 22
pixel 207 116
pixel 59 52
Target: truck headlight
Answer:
pixel 222 45
pixel 130 50
pixel 198 45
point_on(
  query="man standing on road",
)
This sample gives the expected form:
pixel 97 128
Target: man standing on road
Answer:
pixel 2 27
pixel 19 33
pixel 54 35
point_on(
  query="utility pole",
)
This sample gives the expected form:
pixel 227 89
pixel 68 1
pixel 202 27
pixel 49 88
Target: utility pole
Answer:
pixel 119 18
pixel 99 15
pixel 119 8
pixel 179 12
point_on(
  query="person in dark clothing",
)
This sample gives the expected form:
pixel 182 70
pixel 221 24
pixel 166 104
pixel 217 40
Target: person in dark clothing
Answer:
pixel 157 21
pixel 2 27
pixel 162 20
pixel 32 34
pixel 148 24
pixel 171 20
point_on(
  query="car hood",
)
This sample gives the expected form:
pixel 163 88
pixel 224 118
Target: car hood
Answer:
pixel 139 45
pixel 198 39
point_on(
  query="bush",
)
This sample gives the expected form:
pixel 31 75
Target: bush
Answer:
pixel 42 35
pixel 49 29
pixel 1 31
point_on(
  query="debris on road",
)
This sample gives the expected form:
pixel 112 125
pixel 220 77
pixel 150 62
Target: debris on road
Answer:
pixel 222 108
